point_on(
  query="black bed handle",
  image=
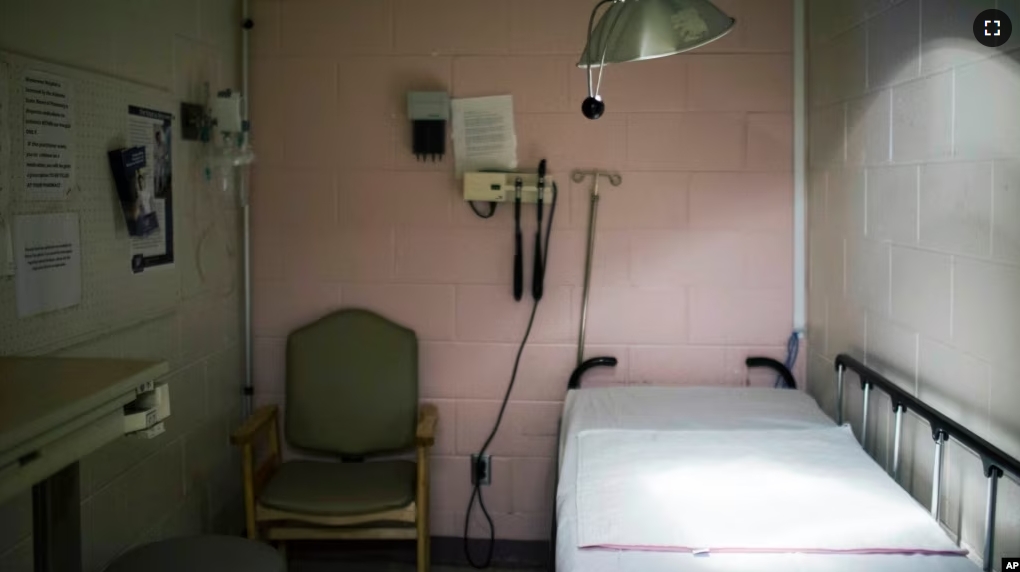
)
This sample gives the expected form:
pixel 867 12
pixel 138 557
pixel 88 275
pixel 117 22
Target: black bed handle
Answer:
pixel 776 366
pixel 575 378
pixel 782 370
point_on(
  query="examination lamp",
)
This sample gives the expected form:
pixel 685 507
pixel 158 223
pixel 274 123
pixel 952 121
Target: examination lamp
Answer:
pixel 634 30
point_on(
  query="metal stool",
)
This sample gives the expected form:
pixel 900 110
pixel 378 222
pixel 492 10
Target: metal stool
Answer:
pixel 201 554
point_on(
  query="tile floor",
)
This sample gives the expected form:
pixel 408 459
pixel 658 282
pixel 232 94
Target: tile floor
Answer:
pixel 399 556
pixel 384 567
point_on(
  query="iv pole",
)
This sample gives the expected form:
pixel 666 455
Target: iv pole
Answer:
pixel 248 389
pixel 579 176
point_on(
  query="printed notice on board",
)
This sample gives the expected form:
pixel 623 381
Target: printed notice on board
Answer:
pixel 6 247
pixel 152 129
pixel 483 134
pixel 48 252
pixel 49 136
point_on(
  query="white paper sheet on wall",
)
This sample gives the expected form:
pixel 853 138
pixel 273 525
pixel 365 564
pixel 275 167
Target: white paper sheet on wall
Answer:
pixel 483 134
pixel 48 251
pixel 6 248
pixel 49 136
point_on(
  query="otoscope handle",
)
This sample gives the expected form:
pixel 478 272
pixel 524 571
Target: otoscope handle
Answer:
pixel 518 267
pixel 538 276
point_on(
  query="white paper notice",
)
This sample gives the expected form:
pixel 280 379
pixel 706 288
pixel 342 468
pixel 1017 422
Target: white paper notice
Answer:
pixel 6 252
pixel 6 248
pixel 49 136
pixel 48 251
pixel 483 134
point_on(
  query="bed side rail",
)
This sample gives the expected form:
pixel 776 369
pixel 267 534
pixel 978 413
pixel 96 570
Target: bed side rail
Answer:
pixel 579 371
pixel 775 365
pixel 778 367
pixel 995 461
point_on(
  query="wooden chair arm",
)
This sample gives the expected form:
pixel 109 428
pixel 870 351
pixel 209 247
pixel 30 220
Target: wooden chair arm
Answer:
pixel 428 416
pixel 257 423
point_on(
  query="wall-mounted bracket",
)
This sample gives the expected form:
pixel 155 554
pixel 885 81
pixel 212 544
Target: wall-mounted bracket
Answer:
pixel 499 187
pixel 144 416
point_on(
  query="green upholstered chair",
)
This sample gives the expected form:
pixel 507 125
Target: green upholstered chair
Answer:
pixel 352 392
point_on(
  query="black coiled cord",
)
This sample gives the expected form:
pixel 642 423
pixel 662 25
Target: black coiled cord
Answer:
pixel 476 493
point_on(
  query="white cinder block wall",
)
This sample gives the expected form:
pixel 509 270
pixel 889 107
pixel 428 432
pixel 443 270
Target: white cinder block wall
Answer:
pixel 188 480
pixel 914 231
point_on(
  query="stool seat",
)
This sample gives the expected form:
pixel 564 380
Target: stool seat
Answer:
pixel 201 554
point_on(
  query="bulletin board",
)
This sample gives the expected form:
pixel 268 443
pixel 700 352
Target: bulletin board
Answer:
pixel 113 295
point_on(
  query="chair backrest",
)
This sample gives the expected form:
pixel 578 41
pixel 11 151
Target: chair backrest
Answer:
pixel 352 385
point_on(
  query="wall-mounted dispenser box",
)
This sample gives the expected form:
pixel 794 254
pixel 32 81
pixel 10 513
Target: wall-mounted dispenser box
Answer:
pixel 428 111
pixel 226 111
pixel 500 187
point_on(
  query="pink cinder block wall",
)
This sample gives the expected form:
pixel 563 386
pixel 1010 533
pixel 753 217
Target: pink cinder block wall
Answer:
pixel 694 252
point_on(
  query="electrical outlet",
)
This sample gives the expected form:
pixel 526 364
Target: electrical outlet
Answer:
pixel 481 471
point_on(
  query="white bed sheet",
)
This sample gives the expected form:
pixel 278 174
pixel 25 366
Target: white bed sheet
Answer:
pixel 658 408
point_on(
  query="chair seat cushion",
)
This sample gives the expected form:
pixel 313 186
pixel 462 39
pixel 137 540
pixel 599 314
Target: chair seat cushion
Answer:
pixel 340 489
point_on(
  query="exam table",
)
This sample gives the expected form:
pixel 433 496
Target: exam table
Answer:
pixel 647 441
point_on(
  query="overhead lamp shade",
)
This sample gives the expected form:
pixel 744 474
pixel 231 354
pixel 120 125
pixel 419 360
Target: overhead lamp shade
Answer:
pixel 632 30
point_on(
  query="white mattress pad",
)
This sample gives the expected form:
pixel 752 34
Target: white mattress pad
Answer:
pixel 778 490
pixel 708 409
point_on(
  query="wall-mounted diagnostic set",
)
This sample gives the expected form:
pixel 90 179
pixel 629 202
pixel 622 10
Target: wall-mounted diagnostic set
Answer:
pixel 502 187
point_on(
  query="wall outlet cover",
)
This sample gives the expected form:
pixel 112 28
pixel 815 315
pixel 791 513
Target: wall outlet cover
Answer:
pixel 481 472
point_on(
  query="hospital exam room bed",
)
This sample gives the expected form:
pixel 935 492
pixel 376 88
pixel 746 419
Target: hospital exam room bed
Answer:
pixel 748 479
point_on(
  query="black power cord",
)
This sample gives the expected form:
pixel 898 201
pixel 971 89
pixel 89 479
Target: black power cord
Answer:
pixel 492 209
pixel 476 492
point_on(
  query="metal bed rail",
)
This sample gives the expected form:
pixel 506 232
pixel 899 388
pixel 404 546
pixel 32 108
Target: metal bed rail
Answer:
pixel 996 463
pixel 751 362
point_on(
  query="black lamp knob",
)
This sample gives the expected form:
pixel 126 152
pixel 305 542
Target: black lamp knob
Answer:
pixel 593 107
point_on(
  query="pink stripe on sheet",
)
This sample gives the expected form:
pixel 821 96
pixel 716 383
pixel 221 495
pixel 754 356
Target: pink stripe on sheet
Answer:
pixel 733 550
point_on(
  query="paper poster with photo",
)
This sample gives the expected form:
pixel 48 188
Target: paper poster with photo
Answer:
pixel 130 177
pixel 152 130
